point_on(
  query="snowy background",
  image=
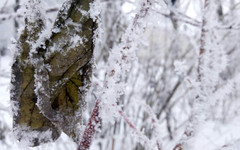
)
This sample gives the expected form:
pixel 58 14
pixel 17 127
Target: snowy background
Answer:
pixel 163 76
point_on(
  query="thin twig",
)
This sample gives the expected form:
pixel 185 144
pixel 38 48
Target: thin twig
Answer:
pixel 89 132
pixel 5 17
pixel 94 121
pixel 189 131
pixel 4 5
pixel 145 140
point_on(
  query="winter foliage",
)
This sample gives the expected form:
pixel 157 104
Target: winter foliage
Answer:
pixel 120 75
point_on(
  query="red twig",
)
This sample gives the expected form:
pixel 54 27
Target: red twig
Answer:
pixel 202 41
pixel 94 122
pixel 143 12
pixel 140 135
pixel 127 121
pixel 189 133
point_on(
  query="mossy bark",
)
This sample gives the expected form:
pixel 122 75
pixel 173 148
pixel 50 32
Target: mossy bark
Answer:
pixel 69 70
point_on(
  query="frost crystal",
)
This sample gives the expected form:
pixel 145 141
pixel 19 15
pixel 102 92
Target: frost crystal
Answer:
pixel 29 137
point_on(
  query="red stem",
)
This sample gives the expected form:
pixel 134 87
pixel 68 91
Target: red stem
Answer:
pixel 94 122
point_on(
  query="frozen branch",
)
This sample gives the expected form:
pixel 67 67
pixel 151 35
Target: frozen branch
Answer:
pixel 89 132
pixel 146 142
pixel 4 5
pixel 189 21
pixel 6 16
pixel 194 119
pixel 119 60
pixel 202 40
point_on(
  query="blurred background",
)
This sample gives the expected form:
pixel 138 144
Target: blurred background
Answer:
pixel 162 78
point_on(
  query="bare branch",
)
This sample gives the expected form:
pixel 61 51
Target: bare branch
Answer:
pixel 89 132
